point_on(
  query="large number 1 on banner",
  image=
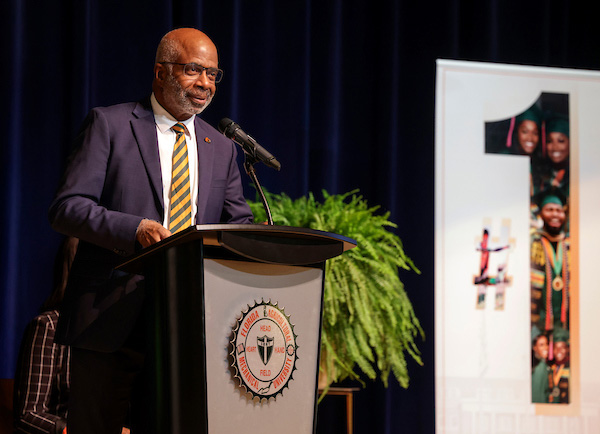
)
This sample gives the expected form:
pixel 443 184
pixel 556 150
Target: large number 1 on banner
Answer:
pixel 542 133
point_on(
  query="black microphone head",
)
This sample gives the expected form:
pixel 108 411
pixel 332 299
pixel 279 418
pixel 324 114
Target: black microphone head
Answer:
pixel 225 125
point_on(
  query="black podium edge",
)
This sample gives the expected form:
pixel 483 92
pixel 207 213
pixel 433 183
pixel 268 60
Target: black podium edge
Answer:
pixel 211 236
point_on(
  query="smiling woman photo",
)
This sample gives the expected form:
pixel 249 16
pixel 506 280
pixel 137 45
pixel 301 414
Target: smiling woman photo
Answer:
pixel 553 170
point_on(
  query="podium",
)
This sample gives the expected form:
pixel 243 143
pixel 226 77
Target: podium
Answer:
pixel 234 324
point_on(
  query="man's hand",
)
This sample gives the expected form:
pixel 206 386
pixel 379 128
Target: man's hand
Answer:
pixel 151 232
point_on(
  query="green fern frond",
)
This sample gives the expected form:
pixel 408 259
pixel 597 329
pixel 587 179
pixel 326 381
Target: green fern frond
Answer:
pixel 369 324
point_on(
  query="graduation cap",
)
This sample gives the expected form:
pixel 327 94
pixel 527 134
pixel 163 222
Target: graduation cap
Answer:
pixel 533 113
pixel 560 335
pixel 552 195
pixel 557 125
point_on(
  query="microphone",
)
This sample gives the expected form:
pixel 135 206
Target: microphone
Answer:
pixel 234 132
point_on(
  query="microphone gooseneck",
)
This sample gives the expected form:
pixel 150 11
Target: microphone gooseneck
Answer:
pixel 253 153
pixel 250 146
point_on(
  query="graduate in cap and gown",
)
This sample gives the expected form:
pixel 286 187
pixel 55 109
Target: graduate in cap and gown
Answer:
pixel 541 372
pixel 550 267
pixel 560 367
pixel 552 172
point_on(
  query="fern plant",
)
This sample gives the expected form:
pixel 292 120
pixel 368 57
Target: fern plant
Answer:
pixel 368 320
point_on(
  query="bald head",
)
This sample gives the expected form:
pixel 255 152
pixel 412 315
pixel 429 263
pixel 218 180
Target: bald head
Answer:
pixel 183 94
pixel 175 41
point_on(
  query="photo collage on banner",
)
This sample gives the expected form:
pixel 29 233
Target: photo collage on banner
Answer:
pixel 541 132
pixel 517 178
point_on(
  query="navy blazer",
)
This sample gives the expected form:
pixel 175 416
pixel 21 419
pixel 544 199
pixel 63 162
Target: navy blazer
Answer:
pixel 113 181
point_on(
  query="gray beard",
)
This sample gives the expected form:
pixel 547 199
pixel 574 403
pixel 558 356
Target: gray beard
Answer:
pixel 184 103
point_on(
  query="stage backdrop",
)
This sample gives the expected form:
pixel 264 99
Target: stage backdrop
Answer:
pixel 497 158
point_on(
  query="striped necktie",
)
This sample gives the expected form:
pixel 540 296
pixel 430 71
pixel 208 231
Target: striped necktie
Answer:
pixel 180 216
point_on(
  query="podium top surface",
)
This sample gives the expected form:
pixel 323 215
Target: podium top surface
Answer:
pixel 263 243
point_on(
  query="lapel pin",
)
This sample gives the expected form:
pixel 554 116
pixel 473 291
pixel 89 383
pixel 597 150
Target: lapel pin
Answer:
pixel 207 140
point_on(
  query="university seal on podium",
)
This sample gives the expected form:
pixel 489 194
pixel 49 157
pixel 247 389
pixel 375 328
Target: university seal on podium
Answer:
pixel 264 350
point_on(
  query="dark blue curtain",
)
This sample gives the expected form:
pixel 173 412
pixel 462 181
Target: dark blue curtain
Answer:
pixel 341 92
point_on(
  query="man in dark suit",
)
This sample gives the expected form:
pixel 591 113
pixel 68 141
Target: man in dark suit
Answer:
pixel 121 193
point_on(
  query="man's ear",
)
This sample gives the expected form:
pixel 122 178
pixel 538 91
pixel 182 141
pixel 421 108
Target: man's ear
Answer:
pixel 159 72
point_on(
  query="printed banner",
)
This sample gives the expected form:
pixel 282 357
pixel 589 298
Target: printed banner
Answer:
pixel 517 181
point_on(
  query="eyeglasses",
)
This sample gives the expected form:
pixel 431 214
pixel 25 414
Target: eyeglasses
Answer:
pixel 194 70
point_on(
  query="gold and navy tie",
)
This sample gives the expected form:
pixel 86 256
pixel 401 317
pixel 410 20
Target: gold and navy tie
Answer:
pixel 180 216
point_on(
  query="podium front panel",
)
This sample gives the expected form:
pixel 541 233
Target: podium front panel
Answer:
pixel 268 306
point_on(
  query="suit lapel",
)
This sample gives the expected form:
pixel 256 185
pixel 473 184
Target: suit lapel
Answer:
pixel 144 130
pixel 205 166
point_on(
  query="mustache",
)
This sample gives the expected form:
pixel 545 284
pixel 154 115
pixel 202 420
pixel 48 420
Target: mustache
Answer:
pixel 200 94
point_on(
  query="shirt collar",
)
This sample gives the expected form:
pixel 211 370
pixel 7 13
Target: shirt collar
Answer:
pixel 164 120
